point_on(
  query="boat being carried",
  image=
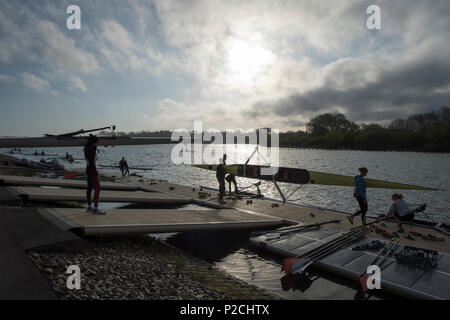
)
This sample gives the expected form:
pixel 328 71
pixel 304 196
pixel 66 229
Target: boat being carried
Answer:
pixel 303 176
pixel 73 139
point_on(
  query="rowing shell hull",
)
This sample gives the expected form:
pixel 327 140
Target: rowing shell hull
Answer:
pixel 302 176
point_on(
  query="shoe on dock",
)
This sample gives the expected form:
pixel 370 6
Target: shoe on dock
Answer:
pixel 407 236
pixel 89 209
pixel 432 238
pixel 421 208
pixel 98 212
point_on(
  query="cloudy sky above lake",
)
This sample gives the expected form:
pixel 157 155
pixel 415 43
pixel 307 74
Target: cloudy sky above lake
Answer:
pixel 232 64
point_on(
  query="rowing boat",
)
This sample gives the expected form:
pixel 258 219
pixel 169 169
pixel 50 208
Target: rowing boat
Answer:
pixel 302 176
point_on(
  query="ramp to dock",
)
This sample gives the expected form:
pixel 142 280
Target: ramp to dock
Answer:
pixel 6 180
pixel 129 221
pixel 65 194
pixel 21 230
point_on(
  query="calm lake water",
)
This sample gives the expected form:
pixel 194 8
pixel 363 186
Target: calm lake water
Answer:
pixel 232 251
pixel 427 169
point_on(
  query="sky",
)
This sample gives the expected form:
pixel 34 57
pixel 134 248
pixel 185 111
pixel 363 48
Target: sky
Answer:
pixel 156 65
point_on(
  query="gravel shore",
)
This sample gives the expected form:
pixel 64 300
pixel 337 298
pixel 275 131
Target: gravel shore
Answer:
pixel 132 267
pixel 137 267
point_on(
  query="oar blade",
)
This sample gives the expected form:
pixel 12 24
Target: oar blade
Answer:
pixel 363 277
pixel 287 264
pixel 299 266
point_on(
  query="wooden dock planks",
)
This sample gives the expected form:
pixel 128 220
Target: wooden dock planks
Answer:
pixel 8 180
pixel 128 221
pixel 66 194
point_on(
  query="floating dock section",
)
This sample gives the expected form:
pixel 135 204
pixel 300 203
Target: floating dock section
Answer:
pixel 7 180
pixel 396 278
pixel 129 221
pixel 78 195
pixel 236 214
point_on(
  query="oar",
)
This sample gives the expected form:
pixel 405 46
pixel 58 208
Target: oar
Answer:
pixel 293 229
pixel 364 276
pixel 310 225
pixel 389 250
pixel 288 262
pixel 291 233
pixel 371 223
pixel 299 266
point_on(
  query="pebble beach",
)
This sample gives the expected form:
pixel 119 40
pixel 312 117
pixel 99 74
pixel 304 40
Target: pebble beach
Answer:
pixel 137 267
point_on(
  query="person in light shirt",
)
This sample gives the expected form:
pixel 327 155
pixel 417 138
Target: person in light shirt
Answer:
pixel 400 209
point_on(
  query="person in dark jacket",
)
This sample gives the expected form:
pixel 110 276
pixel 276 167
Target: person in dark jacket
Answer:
pixel 93 182
pixel 220 175
pixel 360 195
pixel 231 179
pixel 123 165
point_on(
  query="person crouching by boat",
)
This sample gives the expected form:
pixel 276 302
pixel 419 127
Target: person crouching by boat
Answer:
pixel 123 165
pixel 231 179
pixel 93 182
pixel 360 195
pixel 400 209
pixel 220 175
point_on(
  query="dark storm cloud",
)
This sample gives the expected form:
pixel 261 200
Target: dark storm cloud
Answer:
pixel 395 93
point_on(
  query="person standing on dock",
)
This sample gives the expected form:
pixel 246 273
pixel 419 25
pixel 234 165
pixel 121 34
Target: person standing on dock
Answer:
pixel 360 195
pixel 90 154
pixel 123 165
pixel 220 175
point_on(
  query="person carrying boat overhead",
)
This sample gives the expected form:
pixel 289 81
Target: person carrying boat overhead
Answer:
pixel 400 209
pixel 123 165
pixel 360 195
pixel 220 175
pixel 90 153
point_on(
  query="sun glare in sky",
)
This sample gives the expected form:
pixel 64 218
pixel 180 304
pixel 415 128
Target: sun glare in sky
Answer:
pixel 247 61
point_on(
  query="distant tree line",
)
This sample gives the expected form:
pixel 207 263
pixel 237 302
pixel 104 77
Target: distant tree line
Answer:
pixel 421 132
pixel 143 133
pixel 428 131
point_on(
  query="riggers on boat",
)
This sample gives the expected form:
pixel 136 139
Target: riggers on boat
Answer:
pixel 385 252
pixel 302 176
pixel 300 263
pixel 400 274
